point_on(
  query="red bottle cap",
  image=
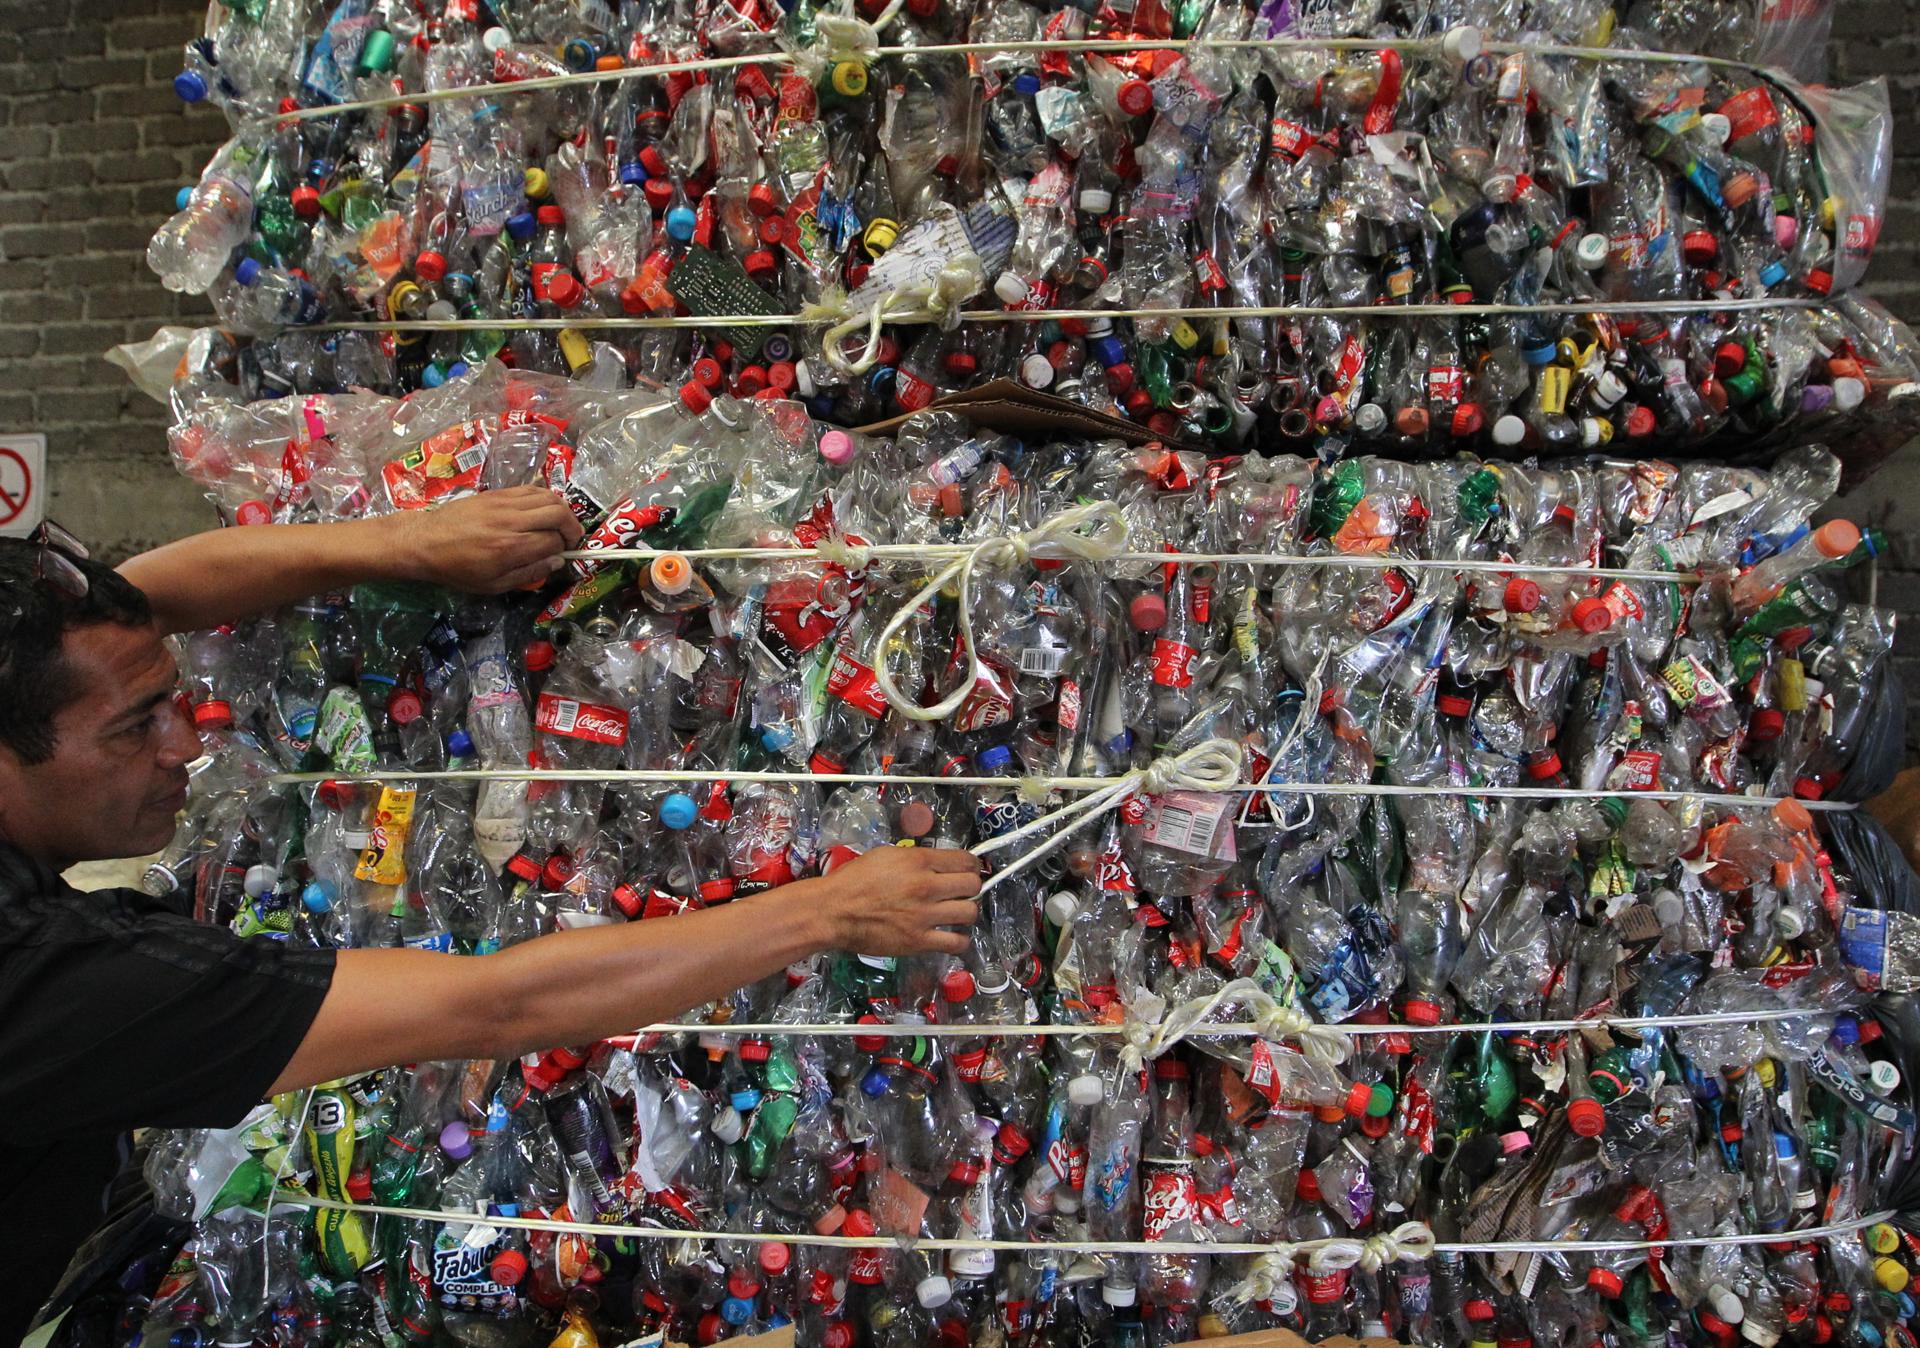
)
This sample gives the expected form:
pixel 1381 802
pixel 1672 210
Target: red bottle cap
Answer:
pixel 1586 1117
pixel 755 1050
pixel 1592 617
pixel 213 714
pixel 306 202
pixel 1766 725
pixel 859 1223
pixel 743 1284
pixel 1478 1310
pixel 1147 612
pixel 870 1043
pixel 1420 1011
pixel 761 200
pixel 1820 281
pixel 707 372
pixel 1411 421
pixel 711 1329
pixel 695 398
pixel 403 706
pixel 956 986
pixel 1699 247
pixel 1606 1282
pixel 360 1185
pixel 1136 97
pixel 658 192
pixel 1468 420
pixel 1359 1096
pixel 523 867
pixel 1521 596
pixel 781 376
pixel 1543 765
pixel 750 381
pixel 566 291
pixel 761 263
pixel 541 654
pixel 1729 359
pixel 775 1255
pixel 1307 1186
pixel 1120 379
pixel 1375 1126
pixel 508 1268
pixel 430 265
pixel 551 215
pixel 1807 788
pixel 962 363
pixel 653 161
pixel 1640 422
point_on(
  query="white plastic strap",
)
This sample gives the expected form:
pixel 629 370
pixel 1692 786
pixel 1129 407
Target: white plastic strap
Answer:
pixel 1409 1241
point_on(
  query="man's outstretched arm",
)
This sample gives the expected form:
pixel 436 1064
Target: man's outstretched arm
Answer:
pixel 574 987
pixel 495 541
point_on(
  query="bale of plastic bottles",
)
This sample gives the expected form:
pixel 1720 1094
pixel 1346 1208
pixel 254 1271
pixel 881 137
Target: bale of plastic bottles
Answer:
pixel 1424 901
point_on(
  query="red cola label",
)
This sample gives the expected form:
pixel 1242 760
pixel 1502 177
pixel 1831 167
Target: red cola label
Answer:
pixel 574 719
pixel 1169 1207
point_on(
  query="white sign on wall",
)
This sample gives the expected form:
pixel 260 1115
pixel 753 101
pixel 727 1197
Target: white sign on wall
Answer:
pixel 23 483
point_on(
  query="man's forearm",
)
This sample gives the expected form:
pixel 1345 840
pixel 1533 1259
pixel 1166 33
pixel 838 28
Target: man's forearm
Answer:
pixel 229 574
pixel 589 983
pixel 570 987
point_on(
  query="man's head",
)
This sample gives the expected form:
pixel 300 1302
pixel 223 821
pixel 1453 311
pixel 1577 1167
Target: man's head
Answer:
pixel 93 746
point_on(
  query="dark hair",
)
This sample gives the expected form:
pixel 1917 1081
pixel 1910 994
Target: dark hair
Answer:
pixel 35 616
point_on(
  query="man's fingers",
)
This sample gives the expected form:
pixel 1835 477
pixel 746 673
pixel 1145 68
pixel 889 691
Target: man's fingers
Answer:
pixel 949 943
pixel 546 511
pixel 954 913
pixel 533 573
pixel 952 859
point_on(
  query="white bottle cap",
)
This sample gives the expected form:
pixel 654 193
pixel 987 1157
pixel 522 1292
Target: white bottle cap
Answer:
pixel 1788 924
pixel 1609 388
pixel 1716 127
pixel 1461 45
pixel 1370 418
pixel 1066 1202
pixel 1884 1077
pixel 1036 371
pixel 1670 908
pixel 1726 1305
pixel 1589 431
pixel 1509 431
pixel 1010 288
pixel 727 1125
pixel 1755 1332
pixel 1591 251
pixel 1848 393
pixel 1061 906
pixel 1118 1294
pixel 1086 1090
pixel 933 1292
pixel 1096 200
pixel 496 38
pixel 259 881
pixel 1500 188
pixel 802 379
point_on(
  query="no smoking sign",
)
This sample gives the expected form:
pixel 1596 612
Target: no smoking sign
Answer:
pixel 23 483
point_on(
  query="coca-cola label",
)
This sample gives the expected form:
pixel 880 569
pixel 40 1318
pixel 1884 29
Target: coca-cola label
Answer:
pixel 1446 384
pixel 1112 874
pixel 1173 663
pixel 1325 1289
pixel 1168 1208
pixel 574 719
pixel 543 275
pixel 1288 138
pixel 1067 708
pixel 620 528
pixel 970 1065
pixel 1748 113
pixel 1637 770
pixel 856 685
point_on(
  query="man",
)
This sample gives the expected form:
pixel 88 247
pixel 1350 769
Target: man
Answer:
pixel 118 1012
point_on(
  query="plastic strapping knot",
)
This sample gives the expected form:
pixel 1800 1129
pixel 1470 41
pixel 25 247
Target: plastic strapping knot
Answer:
pixel 1268 1274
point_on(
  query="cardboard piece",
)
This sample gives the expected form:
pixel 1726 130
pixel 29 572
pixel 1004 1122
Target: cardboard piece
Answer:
pixel 1009 406
pixel 1286 1338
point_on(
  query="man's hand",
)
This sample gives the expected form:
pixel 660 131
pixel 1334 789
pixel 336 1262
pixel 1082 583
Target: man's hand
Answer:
pixel 487 543
pixel 898 900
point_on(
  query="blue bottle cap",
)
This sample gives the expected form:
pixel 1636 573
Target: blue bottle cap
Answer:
pixel 579 54
pixel 745 1100
pixel 522 224
pixel 316 898
pixel 1772 275
pixel 776 738
pixel 1108 351
pixel 460 744
pixel 680 223
pixel 190 87
pixel 182 198
pixel 1026 84
pixel 1784 1146
pixel 633 173
pixel 779 346
pixel 319 170
pixel 457 369
pixel 1846 1030
pixel 246 271
pixel 880 379
pixel 874 1084
pixel 820 406
pixel 678 811
pixel 503 1209
pixel 736 1310
pixel 1540 355
pixel 995 756
pixel 433 376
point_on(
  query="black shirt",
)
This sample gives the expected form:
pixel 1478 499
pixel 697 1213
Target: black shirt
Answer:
pixel 118 1011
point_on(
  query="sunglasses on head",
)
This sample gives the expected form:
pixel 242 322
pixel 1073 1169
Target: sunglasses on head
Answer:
pixel 56 552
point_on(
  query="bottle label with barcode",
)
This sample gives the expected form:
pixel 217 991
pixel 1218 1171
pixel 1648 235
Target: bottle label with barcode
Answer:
pixel 1043 662
pixel 1186 821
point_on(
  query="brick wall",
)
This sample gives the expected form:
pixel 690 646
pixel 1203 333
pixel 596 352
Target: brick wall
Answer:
pixel 93 146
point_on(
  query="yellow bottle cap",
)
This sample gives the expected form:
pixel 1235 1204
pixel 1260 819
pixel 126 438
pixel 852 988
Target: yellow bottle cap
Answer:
pixel 849 79
pixel 1890 1274
pixel 1790 685
pixel 536 182
pixel 1829 212
pixel 575 349
pixel 1767 1071
pixel 880 234
pixel 1184 336
pixel 1211 1326
pixel 1882 1238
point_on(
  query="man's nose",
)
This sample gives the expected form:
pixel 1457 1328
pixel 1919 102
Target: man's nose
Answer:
pixel 180 744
